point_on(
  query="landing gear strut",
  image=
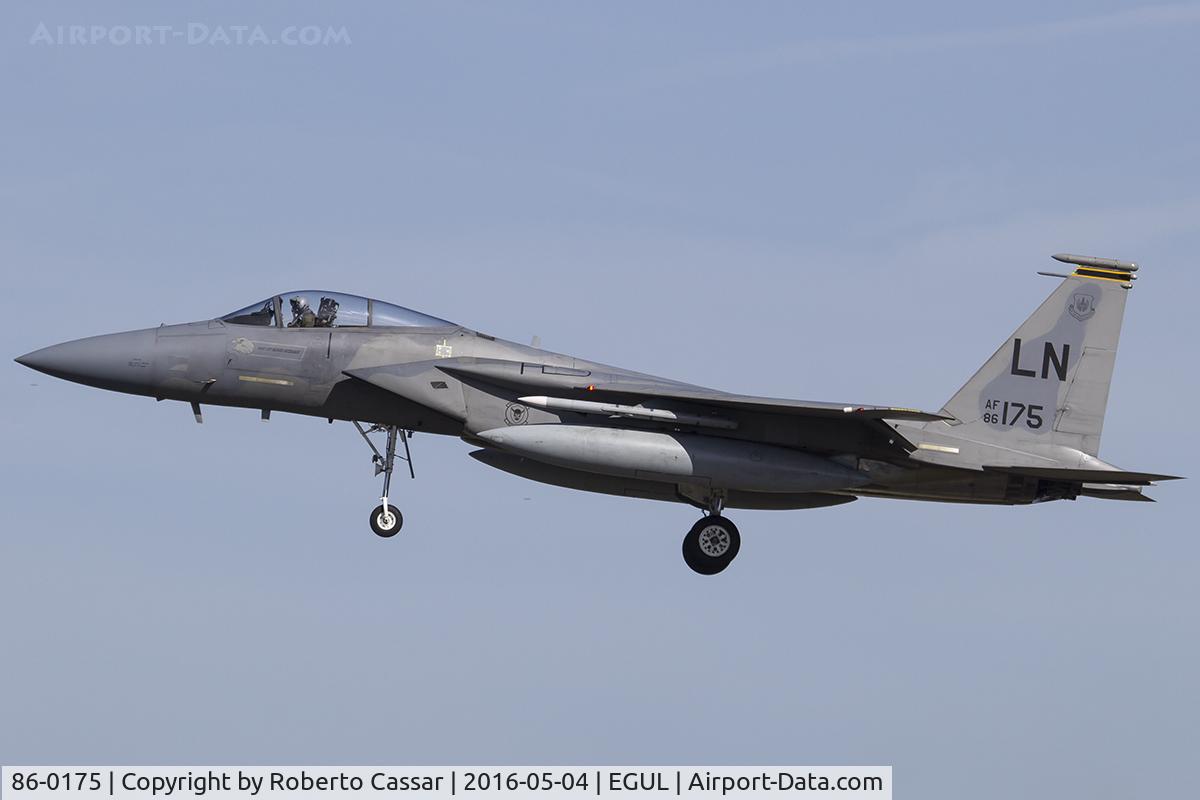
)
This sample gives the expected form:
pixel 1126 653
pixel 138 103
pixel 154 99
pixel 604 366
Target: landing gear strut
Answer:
pixel 713 542
pixel 386 520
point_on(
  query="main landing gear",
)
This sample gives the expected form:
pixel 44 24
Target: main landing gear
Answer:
pixel 713 542
pixel 386 519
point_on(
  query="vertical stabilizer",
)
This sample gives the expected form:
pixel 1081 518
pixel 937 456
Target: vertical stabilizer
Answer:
pixel 1048 382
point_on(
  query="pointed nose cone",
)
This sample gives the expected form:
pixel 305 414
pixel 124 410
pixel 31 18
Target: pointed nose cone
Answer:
pixel 119 361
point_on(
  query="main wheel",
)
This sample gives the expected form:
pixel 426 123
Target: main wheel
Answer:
pixel 386 525
pixel 711 545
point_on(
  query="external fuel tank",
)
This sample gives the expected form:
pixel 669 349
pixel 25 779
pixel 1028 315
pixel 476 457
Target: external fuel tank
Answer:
pixel 674 457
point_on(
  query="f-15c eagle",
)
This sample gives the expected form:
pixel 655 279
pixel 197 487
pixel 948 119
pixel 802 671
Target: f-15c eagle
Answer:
pixel 1025 428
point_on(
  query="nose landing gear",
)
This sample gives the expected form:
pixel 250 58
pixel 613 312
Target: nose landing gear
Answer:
pixel 386 519
pixel 713 542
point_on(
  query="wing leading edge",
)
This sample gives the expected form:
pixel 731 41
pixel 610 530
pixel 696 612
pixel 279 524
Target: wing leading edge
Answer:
pixel 762 405
pixel 581 384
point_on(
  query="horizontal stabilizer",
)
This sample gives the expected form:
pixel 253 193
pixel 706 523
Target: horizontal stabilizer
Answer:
pixel 1128 493
pixel 1099 476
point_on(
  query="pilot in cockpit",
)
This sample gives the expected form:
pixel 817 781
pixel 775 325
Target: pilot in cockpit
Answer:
pixel 302 314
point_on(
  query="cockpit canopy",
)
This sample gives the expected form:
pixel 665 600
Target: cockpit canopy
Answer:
pixel 319 309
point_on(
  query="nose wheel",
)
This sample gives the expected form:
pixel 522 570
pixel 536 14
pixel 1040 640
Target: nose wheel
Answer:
pixel 712 543
pixel 386 519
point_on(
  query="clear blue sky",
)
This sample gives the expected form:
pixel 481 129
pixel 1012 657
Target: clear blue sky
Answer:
pixel 838 201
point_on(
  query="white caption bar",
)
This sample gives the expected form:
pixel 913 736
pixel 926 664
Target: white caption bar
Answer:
pixel 342 783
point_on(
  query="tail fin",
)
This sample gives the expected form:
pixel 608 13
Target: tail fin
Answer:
pixel 1048 382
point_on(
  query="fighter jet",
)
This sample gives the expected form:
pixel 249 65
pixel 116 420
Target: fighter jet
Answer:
pixel 1025 428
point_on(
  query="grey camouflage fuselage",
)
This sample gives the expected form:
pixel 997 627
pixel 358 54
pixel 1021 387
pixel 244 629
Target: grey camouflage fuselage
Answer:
pixel 1025 428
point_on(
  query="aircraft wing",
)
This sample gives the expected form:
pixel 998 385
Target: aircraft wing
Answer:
pixel 836 427
pixel 582 384
pixel 771 405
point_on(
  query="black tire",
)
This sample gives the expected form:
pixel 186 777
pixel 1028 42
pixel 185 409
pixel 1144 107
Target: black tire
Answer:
pixel 711 545
pixel 378 523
